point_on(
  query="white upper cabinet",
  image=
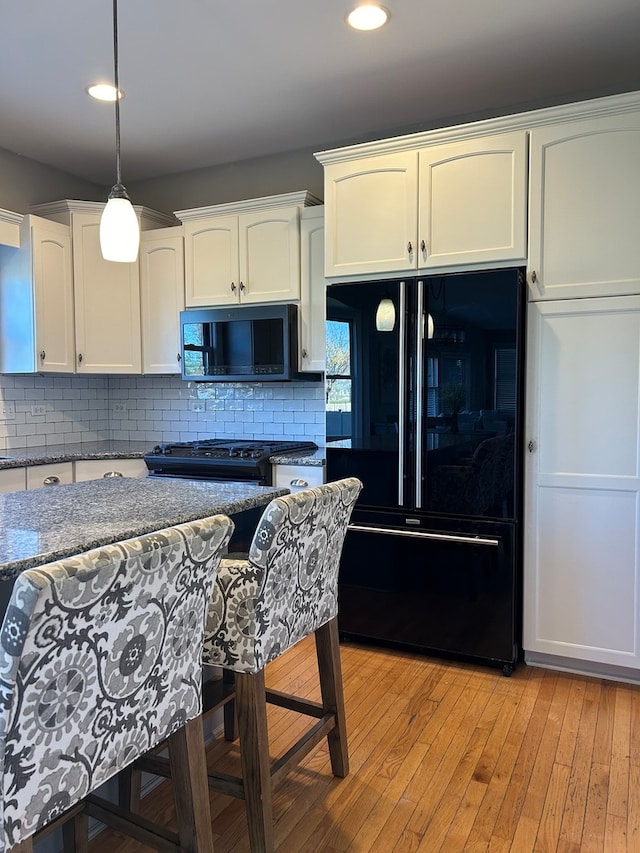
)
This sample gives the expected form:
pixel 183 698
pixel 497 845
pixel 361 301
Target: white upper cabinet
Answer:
pixel 36 300
pixel 108 336
pixel 473 202
pixel 426 206
pixel 371 214
pixel 584 208
pixel 312 290
pixel 162 293
pixel 107 304
pixel 244 252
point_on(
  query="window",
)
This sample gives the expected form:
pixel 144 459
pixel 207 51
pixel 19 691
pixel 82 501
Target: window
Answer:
pixel 338 378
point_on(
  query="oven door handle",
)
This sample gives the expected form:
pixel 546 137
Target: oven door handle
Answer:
pixel 423 534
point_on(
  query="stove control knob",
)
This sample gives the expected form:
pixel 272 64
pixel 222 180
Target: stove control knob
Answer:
pixel 244 454
pixel 256 454
pixel 233 452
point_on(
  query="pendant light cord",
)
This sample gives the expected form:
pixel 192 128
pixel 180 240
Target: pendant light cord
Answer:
pixel 117 85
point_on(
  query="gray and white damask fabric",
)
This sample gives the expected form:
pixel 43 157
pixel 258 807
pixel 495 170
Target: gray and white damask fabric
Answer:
pixel 288 586
pixel 100 660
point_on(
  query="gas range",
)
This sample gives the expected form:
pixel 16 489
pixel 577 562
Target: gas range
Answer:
pixel 221 459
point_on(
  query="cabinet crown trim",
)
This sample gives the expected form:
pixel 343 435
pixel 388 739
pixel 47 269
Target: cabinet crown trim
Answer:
pixel 149 218
pixel 582 110
pixel 302 197
pixel 10 228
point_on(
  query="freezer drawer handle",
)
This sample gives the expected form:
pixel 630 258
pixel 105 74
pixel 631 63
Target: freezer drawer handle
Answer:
pixel 421 534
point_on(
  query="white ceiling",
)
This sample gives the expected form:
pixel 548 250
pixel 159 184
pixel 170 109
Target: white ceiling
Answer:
pixel 215 81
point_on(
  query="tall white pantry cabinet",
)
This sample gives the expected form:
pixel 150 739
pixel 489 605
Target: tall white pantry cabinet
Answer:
pixel 582 471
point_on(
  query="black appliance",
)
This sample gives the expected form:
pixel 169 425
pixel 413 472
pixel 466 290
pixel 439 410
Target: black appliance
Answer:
pixel 245 343
pixel 221 459
pixel 431 422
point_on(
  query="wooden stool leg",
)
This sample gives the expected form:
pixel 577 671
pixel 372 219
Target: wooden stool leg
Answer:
pixel 229 708
pixel 330 670
pixel 191 788
pixel 129 788
pixel 251 707
pixel 75 834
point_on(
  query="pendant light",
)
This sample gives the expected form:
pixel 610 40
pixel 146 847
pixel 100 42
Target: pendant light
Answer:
pixel 119 228
pixel 385 315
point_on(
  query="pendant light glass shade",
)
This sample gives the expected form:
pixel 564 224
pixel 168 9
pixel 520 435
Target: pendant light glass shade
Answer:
pixel 430 327
pixel 385 316
pixel 119 228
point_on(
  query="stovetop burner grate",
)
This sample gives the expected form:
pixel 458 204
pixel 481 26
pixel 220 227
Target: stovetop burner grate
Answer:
pixel 221 459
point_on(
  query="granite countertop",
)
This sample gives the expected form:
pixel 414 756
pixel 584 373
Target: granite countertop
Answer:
pixel 44 525
pixel 315 458
pixel 118 450
pixel 69 452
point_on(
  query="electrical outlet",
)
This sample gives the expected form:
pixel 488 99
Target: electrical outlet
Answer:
pixel 38 409
pixel 196 405
pixel 7 412
pixel 119 408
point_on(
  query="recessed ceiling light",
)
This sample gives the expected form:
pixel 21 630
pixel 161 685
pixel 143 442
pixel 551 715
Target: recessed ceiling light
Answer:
pixel 103 92
pixel 368 16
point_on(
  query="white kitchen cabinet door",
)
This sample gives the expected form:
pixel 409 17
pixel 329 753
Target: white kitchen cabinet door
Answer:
pixel 582 584
pixel 269 254
pixel 50 474
pixel 473 201
pixel 96 469
pixel 212 275
pixel 297 477
pixel 312 290
pixel 162 298
pixel 36 300
pixel 107 305
pixel 13 480
pixel 371 214
pixel 584 209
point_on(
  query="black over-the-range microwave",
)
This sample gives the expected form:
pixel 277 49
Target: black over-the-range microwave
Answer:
pixel 244 343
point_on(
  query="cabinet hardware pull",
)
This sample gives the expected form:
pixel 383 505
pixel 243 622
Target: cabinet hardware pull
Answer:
pixel 233 287
pixel 299 483
pixel 51 481
pixel 423 534
pixel 423 247
pixel 112 474
pixel 304 353
pixel 409 247
pixel 242 287
pixel 43 355
pixel 178 357
pixel 79 358
pixel 532 446
pixel 534 277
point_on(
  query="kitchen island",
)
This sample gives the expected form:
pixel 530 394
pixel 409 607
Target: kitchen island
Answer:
pixel 44 525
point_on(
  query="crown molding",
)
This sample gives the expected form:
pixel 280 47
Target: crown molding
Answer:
pixel 303 198
pixel 581 110
pixel 10 228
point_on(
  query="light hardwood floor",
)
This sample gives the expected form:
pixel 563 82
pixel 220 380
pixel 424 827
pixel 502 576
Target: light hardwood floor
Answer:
pixel 446 757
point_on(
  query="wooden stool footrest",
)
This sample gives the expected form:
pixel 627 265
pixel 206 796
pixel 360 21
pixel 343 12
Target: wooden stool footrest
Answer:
pixel 303 746
pixel 293 703
pixel 135 825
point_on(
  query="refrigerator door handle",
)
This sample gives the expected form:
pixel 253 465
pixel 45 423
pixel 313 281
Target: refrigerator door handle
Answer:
pixel 402 373
pixel 422 534
pixel 419 392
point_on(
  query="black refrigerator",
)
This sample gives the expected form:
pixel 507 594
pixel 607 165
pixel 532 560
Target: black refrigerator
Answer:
pixel 425 405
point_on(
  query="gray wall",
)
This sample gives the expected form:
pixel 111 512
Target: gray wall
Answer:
pixel 25 182
pixel 262 176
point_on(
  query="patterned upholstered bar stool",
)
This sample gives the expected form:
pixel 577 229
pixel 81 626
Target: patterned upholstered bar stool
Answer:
pixel 100 661
pixel 285 590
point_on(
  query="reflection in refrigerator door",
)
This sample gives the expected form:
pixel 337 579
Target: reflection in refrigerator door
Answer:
pixel 427 411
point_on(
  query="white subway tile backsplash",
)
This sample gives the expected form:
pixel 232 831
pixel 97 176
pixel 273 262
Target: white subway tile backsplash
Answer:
pixel 81 408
